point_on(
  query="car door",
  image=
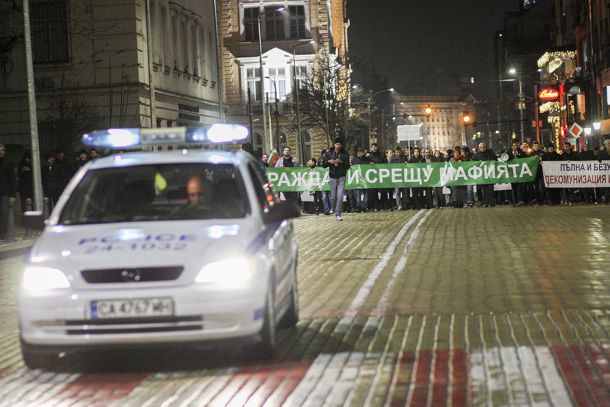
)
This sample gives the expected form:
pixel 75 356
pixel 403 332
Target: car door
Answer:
pixel 280 240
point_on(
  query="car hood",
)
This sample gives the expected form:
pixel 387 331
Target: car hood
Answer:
pixel 134 244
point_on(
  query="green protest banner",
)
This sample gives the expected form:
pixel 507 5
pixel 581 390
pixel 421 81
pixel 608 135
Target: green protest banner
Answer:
pixel 366 176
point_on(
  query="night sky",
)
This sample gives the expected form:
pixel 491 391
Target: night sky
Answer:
pixel 407 40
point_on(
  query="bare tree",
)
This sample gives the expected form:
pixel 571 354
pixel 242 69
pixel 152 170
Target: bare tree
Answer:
pixel 71 116
pixel 329 102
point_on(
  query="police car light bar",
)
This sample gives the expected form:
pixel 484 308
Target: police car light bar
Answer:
pixel 137 138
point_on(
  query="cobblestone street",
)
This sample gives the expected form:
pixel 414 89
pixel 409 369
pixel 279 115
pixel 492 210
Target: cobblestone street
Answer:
pixel 483 306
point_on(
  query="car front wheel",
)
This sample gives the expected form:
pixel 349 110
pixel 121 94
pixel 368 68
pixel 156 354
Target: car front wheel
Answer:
pixel 264 349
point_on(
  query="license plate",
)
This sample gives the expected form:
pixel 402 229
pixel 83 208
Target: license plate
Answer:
pixel 133 308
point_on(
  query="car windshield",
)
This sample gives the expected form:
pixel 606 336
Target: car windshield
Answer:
pixel 155 193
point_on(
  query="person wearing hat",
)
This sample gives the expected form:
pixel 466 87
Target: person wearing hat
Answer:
pixel 337 162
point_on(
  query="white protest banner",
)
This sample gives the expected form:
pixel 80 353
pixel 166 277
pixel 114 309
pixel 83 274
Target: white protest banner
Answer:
pixel 576 174
pixel 409 132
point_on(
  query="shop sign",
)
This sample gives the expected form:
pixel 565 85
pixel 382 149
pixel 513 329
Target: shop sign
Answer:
pixel 548 94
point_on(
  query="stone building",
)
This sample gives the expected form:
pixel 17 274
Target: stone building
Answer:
pixel 92 68
pixel 443 127
pixel 292 33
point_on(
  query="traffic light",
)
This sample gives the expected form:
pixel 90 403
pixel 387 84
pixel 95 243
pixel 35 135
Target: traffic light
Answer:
pixel 467 119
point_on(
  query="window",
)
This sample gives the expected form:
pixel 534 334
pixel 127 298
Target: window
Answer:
pixel 185 46
pixel 274 23
pixel 195 51
pixel 211 44
pixel 129 194
pixel 164 34
pixel 260 186
pixel 204 53
pixel 297 22
pixel 277 77
pixel 176 40
pixel 253 79
pixel 251 23
pixel 49 31
pixel 301 76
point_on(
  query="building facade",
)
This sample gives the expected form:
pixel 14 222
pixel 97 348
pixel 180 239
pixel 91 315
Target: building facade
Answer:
pixel 578 67
pixel 292 34
pixel 525 35
pixel 443 127
pixel 126 63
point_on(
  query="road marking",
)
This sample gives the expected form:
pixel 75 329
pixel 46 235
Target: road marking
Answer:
pixel 380 309
pixel 368 285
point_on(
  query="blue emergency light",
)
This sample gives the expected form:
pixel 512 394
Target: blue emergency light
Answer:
pixel 136 138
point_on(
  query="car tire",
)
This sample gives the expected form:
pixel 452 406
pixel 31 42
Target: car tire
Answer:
pixel 291 317
pixel 263 350
pixel 35 359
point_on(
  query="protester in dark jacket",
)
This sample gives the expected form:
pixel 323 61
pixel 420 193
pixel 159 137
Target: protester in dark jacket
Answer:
pixel 376 157
pixel 551 155
pixel 287 161
pixel 325 194
pixel 539 189
pixel 604 155
pixel 50 180
pixel 64 171
pixel 7 189
pixel 25 185
pixel 418 193
pixel 361 195
pixel 337 162
pixel 567 194
pixel 518 190
pixel 588 194
pixel 318 203
pixel 82 159
pixel 485 154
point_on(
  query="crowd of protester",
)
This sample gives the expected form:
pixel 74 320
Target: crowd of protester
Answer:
pixel 56 172
pixel 403 198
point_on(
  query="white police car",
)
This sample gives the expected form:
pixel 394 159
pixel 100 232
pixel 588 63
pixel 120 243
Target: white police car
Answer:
pixel 186 247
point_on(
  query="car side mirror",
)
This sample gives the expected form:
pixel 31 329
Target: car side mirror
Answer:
pixel 281 211
pixel 33 220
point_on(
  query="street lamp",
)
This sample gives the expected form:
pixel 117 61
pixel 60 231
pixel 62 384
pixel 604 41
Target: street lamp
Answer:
pixel 260 63
pixel 276 114
pixel 371 108
pixel 296 92
pixel 514 72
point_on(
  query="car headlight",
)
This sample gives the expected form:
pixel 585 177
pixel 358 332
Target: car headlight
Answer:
pixel 231 273
pixel 44 279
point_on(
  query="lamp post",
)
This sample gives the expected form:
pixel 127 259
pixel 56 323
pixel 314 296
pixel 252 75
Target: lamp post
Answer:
pixel 513 71
pixel 371 108
pixel 36 167
pixel 296 93
pixel 260 67
pixel 277 114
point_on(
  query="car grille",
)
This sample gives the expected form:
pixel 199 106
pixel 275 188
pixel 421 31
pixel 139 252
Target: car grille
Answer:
pixel 133 325
pixel 132 275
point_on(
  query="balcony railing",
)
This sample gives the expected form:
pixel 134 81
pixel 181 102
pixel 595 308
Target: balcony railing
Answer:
pixel 286 107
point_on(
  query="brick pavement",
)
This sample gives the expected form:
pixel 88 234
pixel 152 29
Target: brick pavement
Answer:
pixel 470 307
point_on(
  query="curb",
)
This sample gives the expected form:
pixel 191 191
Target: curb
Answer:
pixel 21 250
